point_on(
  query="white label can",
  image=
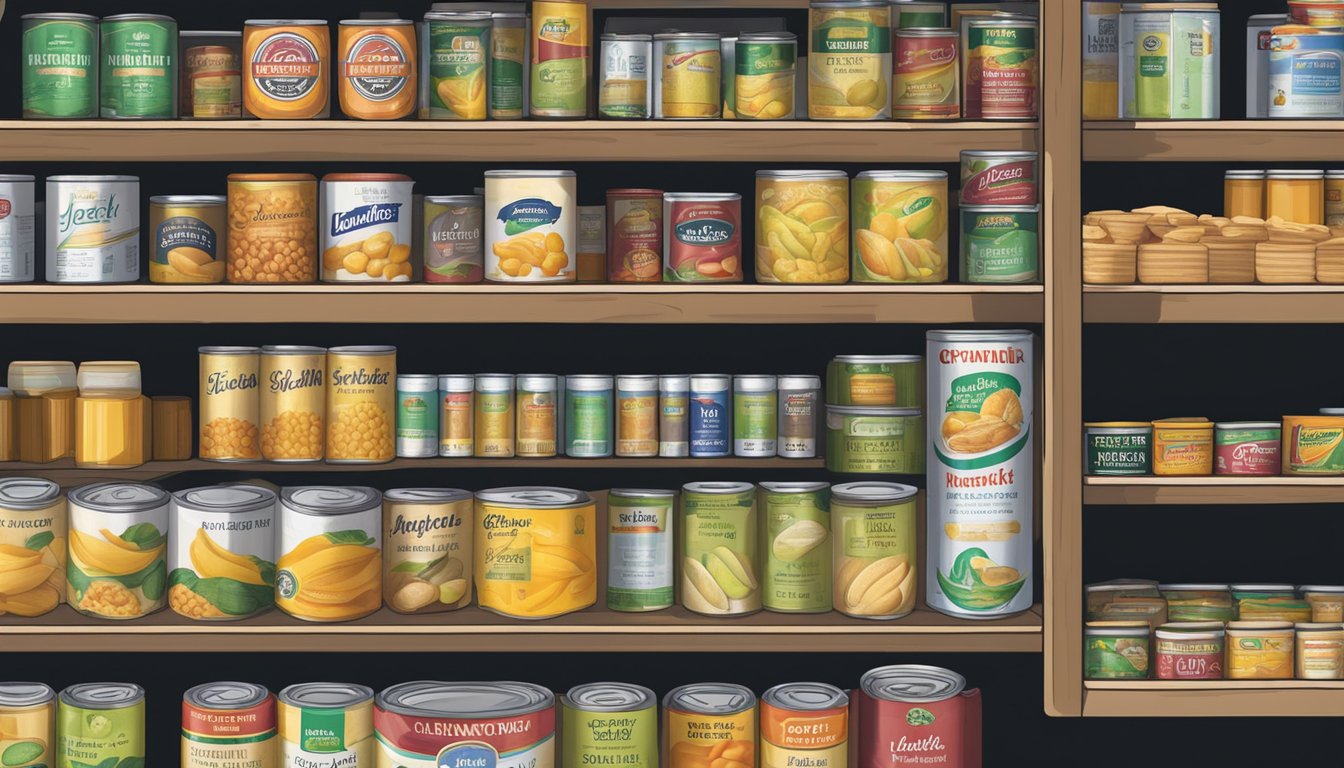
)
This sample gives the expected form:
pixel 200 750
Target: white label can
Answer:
pixel 980 483
pixel 330 563
pixel 366 228
pixel 531 226
pixel 639 549
pixel 16 228
pixel 93 229
pixel 221 552
pixel 116 566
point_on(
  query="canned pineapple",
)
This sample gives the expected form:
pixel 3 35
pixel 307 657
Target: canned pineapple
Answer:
pixel 292 402
pixel 229 403
pixel 802 226
pixel 361 404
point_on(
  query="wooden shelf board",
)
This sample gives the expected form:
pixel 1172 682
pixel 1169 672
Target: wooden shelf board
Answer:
pixel 1209 140
pixel 1213 698
pixel 1213 304
pixel 474 629
pixel 484 303
pixel 504 140
pixel 1212 490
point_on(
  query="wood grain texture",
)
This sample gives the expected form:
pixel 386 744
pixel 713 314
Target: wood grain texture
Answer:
pixel 1212 140
pixel 1214 304
pixel 1214 698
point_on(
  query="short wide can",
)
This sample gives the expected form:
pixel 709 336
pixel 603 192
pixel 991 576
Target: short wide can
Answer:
pixel 609 724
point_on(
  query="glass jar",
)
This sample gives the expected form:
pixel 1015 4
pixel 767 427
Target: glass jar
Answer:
pixel 1244 193
pixel 1296 196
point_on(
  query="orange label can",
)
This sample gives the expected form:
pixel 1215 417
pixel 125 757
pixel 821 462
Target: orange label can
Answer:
pixel 285 68
pixel 804 724
pixel 709 724
pixel 272 228
pixel 376 70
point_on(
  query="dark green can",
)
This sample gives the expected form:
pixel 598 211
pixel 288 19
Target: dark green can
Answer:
pixel 138 75
pixel 1119 448
pixel 60 70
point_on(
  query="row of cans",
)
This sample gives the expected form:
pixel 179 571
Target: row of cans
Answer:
pixel 907 712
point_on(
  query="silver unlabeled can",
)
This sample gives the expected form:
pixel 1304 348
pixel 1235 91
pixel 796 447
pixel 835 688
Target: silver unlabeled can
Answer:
pixel 624 92
pixel 17 228
pixel 93 229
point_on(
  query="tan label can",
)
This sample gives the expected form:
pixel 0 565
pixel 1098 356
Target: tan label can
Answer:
pixel 456 403
pixel 536 413
pixel 32 546
pixel 494 419
pixel 229 403
pixel 427 536
pixel 361 404
pixel 272 228
pixel 293 400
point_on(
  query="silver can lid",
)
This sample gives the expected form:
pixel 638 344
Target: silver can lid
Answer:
pixel 873 493
pixel 231 499
pixel 718 488
pixel 871 359
pixel 226 695
pixel 330 500
pixel 642 493
pixel 188 200
pixel 536 382
pixel 903 175
pixel 457 382
pixel 119 497
pixel 805 697
pixel 102 695
pixel 525 174
pixel 979 335
pixel 364 349
pixel 710 699
pixel 795 487
pixel 325 695
pixel 801 175
pixel 754 382
pixel 22 493
pixel 428 698
pixel 799 381
pixel 912 683
pixel 611 697
pixel 494 382
pixel 675 383
pixel 25 694
pixel 467 200
pixel 426 495
pixel 292 349
pixel 589 382
pixel 229 350
pixel 535 496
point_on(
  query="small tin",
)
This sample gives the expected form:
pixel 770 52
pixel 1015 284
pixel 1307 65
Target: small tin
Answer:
pixel 1189 650
pixel 639 549
pixel 876 380
pixel 361 404
pixel 101 723
pixel 999 243
pixel 417 415
pixel 187 238
pixel 211 81
pixel 18 227
pixel 456 408
pixel 799 411
pixel 29 710
pixel 689 81
pixel 692 712
pixel 711 416
pixel 795 535
pixel 427 543
pixel 882 440
pixel 634 235
pixel 588 415
pixel 1116 650
pixel 755 416
pixel 1247 447
pixel 636 416
pixel 623 87
pixel 804 724
pixel 339 720
pixel 925 86
pixel 452 245
pixel 229 403
pixel 609 724
pixel 537 411
pixel 874 549
pixel 493 416
pixel 674 418
pixel 221 552
pixel 719 549
pixel 763 72
pixel 236 720
pixel 1119 447
pixel 999 177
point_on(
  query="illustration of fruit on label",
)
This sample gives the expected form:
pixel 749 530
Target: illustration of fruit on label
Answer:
pixel 720 578
pixel 905 239
pixel 977 583
pixel 805 236
pixel 882 586
pixel 457 71
pixel 119 576
pixel 414 585
pixel 984 421
pixel 220 584
pixel 331 577
pixel 32 576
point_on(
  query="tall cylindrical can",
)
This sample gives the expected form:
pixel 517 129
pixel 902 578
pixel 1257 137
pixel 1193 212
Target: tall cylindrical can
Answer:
pixel 93 229
pixel 612 724
pixel 795 532
pixel 228 724
pixel 925 84
pixel 417 415
pixel 510 45
pixel 427 538
pixel 799 409
pixel 802 226
pixel 455 57
pixel 634 235
pixel 376 68
pixel 18 226
pixel 137 77
pixel 636 415
pixel 711 415
pixel 493 421
pixel 1002 69
pixel 221 552
pixel 325 724
pixel 623 90
pixel 589 401
pixel 639 549
pixel 366 227
pixel 531 226
pixel 689 80
pixel 101 723
pixel 60 65
pixel 559 59
pixel 361 404
pixel 874 547
pixel 764 65
pixel 703 719
pixel 330 554
pixel 674 418
pixel 755 416
pixel 293 393
pixel 900 226
pixel 915 714
pixel 118 535
pixel 536 410
pixel 702 238
pixel 230 403
pixel 456 409
pixel 804 724
pixel 287 68
pixel 980 544
pixel 849 60
pixel 720 549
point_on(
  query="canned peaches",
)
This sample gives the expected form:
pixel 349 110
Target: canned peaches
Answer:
pixel 361 404
pixel 285 72
pixel 709 724
pixel 272 228
pixel 377 68
pixel 531 226
pixel 802 226
pixel 293 397
pixel 229 403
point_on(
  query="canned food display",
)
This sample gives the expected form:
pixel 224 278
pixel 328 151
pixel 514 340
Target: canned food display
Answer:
pixel 900 226
pixel 704 719
pixel 272 228
pixel 118 533
pixel 764 71
pixel 453 238
pixel 509 63
pixel 689 75
pixel 33 525
pixel 293 403
pixel 535 551
pixel 609 724
pixel 560 41
pixel 93 229
pixel 531 225
pixel 228 723
pixel 376 73
pixel 29 710
pixel 330 553
pixel 211 80
pixel 795 531
pixel 428 724
pixel 623 87
pixel 802 227
pixel 634 235
pixel 18 227
pixel 1002 69
pixel 60 65
pixel 230 403
pixel 102 723
pixel 719 549
pixel 639 549
pixel 417 415
pixel 455 63
pixel 804 724
pixel 137 77
pixel 286 68
pixel 875 546
pixel 427 538
pixel 367 227
pixel 927 68
pixel 701 237
pixel 849 60
pixel 187 234
pixel 325 722
pixel 221 552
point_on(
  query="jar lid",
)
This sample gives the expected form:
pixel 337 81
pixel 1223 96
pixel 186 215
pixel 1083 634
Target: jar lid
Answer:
pixel 31 378
pixel 109 377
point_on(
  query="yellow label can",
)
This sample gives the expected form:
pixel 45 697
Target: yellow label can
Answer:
pixel 32 546
pixel 690 79
pixel 229 403
pixel 330 566
pixel 535 551
pixel 849 63
pixel 709 724
pixel 494 418
pixel 28 711
pixel 293 399
pixel 361 404
pixel 802 227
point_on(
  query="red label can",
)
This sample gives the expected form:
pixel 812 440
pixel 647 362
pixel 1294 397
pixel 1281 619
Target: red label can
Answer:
pixel 1001 69
pixel 924 86
pixel 228 724
pixel 1247 448
pixel 425 724
pixel 1190 651
pixel 702 238
pixel 911 715
pixel 635 235
pixel 990 177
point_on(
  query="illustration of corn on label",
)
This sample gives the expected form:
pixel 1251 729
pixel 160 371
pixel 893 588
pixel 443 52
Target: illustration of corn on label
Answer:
pixel 116 574
pixel 220 565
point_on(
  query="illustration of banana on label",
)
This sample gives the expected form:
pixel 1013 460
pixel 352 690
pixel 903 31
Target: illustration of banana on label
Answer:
pixel 882 586
pixel 719 581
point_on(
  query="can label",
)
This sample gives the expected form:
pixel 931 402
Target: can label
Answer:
pixel 798 552
pixel 33 542
pixel 518 741
pixel 999 246
pixel 798 424
pixel 849 69
pixel 361 407
pixel 625 79
pixel 236 738
pixel 330 566
pixel 29 735
pixel 455 417
pixel 286 66
pixel 377 67
pixel 320 737
pixel 710 424
pixel 636 251
pixel 803 230
pixel 292 395
pixel 59 73
pixel 925 84
pixel 637 423
pixel 674 424
pixel 690 79
pixel 427 555
pixel 535 563
pixel 265 216
pixel 704 241
pixel 1305 75
pixel 900 230
pixel 693 737
pixel 639 552
pixel 536 424
pixel 117 566
pixel 876 575
pixel 816 739
pixel 93 231
pixel 100 736
pixel 17 232
pixel 186 244
pixel 508 52
pixel 588 423
pixel 212 82
pixel 456 71
pixel 1125 454
pixel 559 59
pixel 494 424
pixel 998 181
pixel 139 70
pixel 417 423
pixel 1001 73
pixel 902 733
pixel 763 82
pixel 719 554
pixel 755 423
pixel 221 564
pixel 229 407
pixel 365 237
pixel 531 229
pixel 452 244
pixel 614 739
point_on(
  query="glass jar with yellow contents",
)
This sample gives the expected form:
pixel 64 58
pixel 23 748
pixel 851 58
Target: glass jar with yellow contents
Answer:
pixel 112 427
pixel 1295 195
pixel 1244 193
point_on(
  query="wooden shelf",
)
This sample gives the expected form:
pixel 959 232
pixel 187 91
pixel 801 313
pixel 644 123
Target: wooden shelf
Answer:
pixel 483 303
pixel 505 141
pixel 473 629
pixel 1213 490
pixel 1213 698
pixel 1208 140
pixel 1213 304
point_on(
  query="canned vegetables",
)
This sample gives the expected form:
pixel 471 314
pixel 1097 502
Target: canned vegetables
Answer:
pixel 795 529
pixel 457 49
pixel 874 440
pixel 29 738
pixel 639 549
pixel 93 229
pixel 361 404
pixel 623 91
pixel 325 724
pixel 228 725
pixel 118 533
pixel 689 75
pixel 900 226
pixel 706 722
pixel 804 724
pixel 560 41
pixel 17 228
pixel 138 73
pixel 210 80
pixel 1002 77
pixel 453 238
pixel 272 228
pixel 531 226
pixel 609 724
pixel 427 536
pixel 293 403
pixel 635 235
pixel 33 526
pixel 100 724
pixel 999 244
pixel 925 84
pixel 536 553
pixel 764 66
pixel 875 548
pixel 875 380
pixel 849 60
pixel 367 228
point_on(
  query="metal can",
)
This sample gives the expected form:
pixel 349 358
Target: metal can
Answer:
pixel 228 725
pixel 330 553
pixel 980 545
pixel 188 233
pixel 272 228
pixel 874 440
pixel 907 14
pixel 1169 61
pixel 293 403
pixel 728 65
pixel 508 65
pixel 368 227
pixel 117 535
pixel 1247 447
pixel 60 67
pixel 795 528
pixel 764 65
pixel 799 408
pixel 1002 69
pixel 93 229
pixel 900 227
pixel 592 266
pixel 805 724
pixel 286 68
pixel 560 42
pixel 494 417
pixel 325 723
pixel 532 226
pixel 230 403
pixel 875 380
pixel 701 237
pixel 623 88
pixel 376 71
pixel 755 416
pixel 636 415
pixel 609 724
pixel 674 418
pixel 361 404
pixel 100 724
pixel 33 534
pixel 210 85
pixel 427 724
pixel 221 553
pixel 1299 59
pixel 689 75
pixel 711 415
pixel 536 551
pixel 701 719
pixel 1000 243
pixel 992 177
pixel 874 549
pixel 18 225
pixel 456 408
pixel 635 235
pixel 925 84
pixel 720 549
pixel 455 60
pixel 589 400
pixel 29 711
pixel 427 562
pixel 137 77
pixel 849 60
pixel 537 414
pixel 1119 447
pixel 802 227
pixel 917 715
pixel 452 239
pixel 639 549
pixel 417 415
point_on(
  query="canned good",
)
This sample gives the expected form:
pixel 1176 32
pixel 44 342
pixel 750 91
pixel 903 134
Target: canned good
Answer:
pixel 689 75
pixel 592 266
pixel 907 14
pixel 221 552
pixel 330 553
pixel 325 723
pixel 456 65
pixel 609 724
pixel 272 228
pixel 900 226
pixel 1295 195
pixel 33 546
pixel 915 714
pixel 366 236
pixel 1198 602
pixel 1304 72
pixel 875 549
pixel 531 226
pixel 849 62
pixel 537 414
pixel 1002 71
pixel 636 415
pixel 925 84
pixel 536 551
pixel 1182 447
pixel 1116 650
pixel 703 719
pixel 117 535
pixel 979 548
pixel 635 235
pixel 211 81
pixel 456 406
pixel 376 73
pixel 999 243
pixel 138 74
pixel 805 724
pixel 1327 602
pixel 674 419
pixel 361 404
pixel 1244 193
pixel 1247 448
pixel 417 415
pixel 427 549
pixel 17 227
pixel 1312 445
pixel 452 240
pixel 93 229
pixel 1318 651
pixel 589 401
pixel 494 415
pixel 508 65
pixel 796 525
pixel 719 549
pixel 765 66
pixel 728 70
pixel 228 725
pixel 639 549
pixel 1260 650
pixel 187 231
pixel 286 71
pixel 755 416
pixel 1334 198
pixel 1101 61
pixel 864 440
pixel 29 710
pixel 1189 650
pixel 1316 13
pixel 1119 447
pixel 701 241
pixel 100 724
pixel 799 398
pixel 623 90
pixel 230 403
pixel 293 402
pixel 711 418
pixel 802 227
pixel 1169 58
pixel 60 71
pixel 427 724
pixel 991 177
pixel 560 42
pixel 875 380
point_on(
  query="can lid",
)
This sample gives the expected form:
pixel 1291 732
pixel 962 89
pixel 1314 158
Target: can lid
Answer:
pixel 795 486
pixel 226 695
pixel 675 382
pixel 1001 208
pixel 633 37
pixel 1318 626
pixel 90 178
pixel 912 682
pixel 229 499
pixel 1117 628
pixel 376 22
pixel 1000 153
pixel 272 176
pixel 1004 20
pixel 457 15
pixel 364 349
pixel 365 177
pixel 25 694
pixel 767 37
pixel 801 175
pixel 1229 425
pixel 22 493
pixel 119 497
pixel 1192 587
pixel 108 376
pixel 426 495
pixel 860 410
pixel 1332 411
pixel 1255 627
pixel 138 17
pixel 1109 427
pixel 494 382
pixel 611 697
pixel 16 177
pixel 710 699
pixel 525 174
pixel 34 377
pixel 687 36
pixel 637 381
pixel 60 16
pixel 418 382
pixel 1320 588
pixel 286 22
pixel 872 492
pixel 325 500
pixel 457 382
pixel 718 487
pixel 325 695
pixel 292 349
pixel 102 695
pixel 536 382
pixel 428 698
pixel 799 381
pixel 1244 173
pixel 188 200
pixel 903 175
pixel 711 382
pixel 647 493
pixel 1117 585
pixel 700 197
pixel 1288 589
pixel 455 199
pixel 754 382
pixel 979 335
pixel 229 350
pixel 805 697
pixel 540 496
pixel 589 382
pixel 898 359
pixel 1294 173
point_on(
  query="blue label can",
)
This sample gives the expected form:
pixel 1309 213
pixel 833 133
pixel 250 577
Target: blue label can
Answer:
pixel 711 415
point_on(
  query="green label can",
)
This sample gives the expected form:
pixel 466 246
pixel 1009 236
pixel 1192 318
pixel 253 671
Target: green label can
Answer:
pixel 417 415
pixel 755 416
pixel 508 68
pixel 876 380
pixel 559 42
pixel 886 440
pixel 719 549
pixel 455 65
pixel 609 724
pixel 764 66
pixel 639 549
pixel 1119 448
pixel 875 545
pixel 999 243
pixel 588 416
pixel 100 724
pixel 60 76
pixel 796 528
pixel 138 75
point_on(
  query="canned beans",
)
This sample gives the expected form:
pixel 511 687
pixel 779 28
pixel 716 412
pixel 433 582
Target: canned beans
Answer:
pixel 361 404
pixel 272 228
